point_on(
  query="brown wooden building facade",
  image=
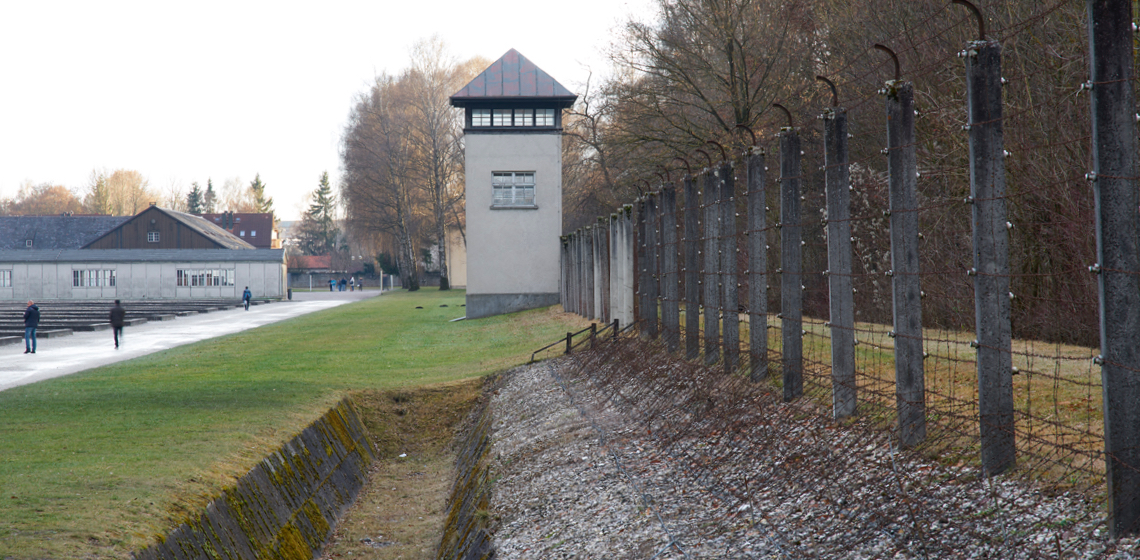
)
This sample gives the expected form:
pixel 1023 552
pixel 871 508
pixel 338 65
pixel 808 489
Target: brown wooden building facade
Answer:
pixel 160 228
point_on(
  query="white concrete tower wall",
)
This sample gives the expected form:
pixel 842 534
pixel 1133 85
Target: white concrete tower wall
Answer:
pixel 512 252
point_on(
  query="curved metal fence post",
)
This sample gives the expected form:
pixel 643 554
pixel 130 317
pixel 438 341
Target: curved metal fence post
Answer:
pixel 670 312
pixel 991 258
pixel 757 267
pixel 841 296
pixel 692 270
pixel 1114 187
pixel 791 264
pixel 910 386
pixel 710 294
pixel 730 295
pixel 651 315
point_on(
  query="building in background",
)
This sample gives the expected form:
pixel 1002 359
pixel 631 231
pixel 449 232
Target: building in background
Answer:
pixel 159 253
pixel 513 165
pixel 257 229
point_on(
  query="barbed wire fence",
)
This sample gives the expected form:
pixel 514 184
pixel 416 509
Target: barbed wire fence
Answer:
pixel 936 275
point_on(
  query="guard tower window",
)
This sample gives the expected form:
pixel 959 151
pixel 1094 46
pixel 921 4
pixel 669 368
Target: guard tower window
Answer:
pixel 480 117
pixel 516 118
pixel 513 189
pixel 544 117
pixel 502 117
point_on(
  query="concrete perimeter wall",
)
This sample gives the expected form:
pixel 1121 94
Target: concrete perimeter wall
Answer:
pixel 286 506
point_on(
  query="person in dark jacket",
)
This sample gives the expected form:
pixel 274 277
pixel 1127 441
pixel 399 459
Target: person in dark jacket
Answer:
pixel 31 321
pixel 246 296
pixel 118 315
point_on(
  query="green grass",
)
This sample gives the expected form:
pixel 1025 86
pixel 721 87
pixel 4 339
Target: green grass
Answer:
pixel 96 464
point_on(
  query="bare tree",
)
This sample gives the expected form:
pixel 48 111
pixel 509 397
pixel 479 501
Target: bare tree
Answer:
pixel 435 133
pixel 235 196
pixel 378 186
pixel 174 196
pixel 43 199
pixel 129 192
pixel 706 67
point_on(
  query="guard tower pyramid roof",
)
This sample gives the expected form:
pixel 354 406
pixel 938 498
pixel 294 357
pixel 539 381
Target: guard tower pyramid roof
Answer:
pixel 513 78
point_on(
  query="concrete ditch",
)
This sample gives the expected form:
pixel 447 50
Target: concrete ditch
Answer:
pixel 285 507
pixel 465 531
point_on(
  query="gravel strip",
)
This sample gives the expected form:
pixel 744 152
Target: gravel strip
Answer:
pixel 617 465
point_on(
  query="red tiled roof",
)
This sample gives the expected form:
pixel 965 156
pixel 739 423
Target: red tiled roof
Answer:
pixel 244 226
pixel 311 262
pixel 513 77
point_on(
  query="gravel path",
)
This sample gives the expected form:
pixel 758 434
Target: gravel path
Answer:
pixel 636 466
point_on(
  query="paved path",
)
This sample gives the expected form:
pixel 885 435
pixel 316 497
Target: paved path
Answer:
pixel 56 357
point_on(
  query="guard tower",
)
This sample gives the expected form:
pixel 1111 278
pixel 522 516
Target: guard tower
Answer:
pixel 513 164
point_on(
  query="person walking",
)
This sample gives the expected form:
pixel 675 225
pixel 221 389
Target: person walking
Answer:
pixel 246 296
pixel 351 284
pixel 117 318
pixel 331 284
pixel 31 321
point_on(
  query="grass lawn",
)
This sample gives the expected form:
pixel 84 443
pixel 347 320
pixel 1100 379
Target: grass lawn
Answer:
pixel 96 464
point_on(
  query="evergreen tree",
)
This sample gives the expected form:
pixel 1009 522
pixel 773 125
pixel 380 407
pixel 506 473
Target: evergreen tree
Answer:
pixel 209 198
pixel 98 199
pixel 194 199
pixel 259 199
pixel 323 212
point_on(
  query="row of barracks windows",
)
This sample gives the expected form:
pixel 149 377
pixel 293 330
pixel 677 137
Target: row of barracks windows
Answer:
pixel 97 278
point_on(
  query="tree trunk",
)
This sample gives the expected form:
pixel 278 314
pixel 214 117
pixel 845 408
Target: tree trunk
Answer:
pixel 441 233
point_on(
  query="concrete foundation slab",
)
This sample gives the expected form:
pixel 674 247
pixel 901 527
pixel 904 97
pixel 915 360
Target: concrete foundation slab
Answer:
pixel 486 305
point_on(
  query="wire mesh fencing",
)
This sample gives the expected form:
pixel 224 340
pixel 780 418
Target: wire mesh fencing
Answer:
pixel 971 312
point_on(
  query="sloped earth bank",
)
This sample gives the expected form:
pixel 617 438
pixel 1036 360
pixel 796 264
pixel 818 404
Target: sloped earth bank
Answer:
pixel 664 463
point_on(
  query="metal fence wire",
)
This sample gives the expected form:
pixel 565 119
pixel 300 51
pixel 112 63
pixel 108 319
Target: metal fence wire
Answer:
pixel 945 263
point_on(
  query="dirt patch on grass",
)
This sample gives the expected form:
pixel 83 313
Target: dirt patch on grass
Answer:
pixel 401 511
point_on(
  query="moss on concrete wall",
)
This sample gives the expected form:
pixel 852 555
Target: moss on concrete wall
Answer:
pixel 286 506
pixel 465 534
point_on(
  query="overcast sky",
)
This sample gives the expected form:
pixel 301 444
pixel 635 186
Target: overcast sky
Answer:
pixel 219 90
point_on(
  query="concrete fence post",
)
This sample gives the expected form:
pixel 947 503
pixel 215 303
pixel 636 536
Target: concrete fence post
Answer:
pixel 572 273
pixel 641 261
pixel 692 238
pixel 568 272
pixel 616 268
pixel 595 240
pixel 583 285
pixel 652 251
pixel 1115 190
pixel 564 267
pixel 757 267
pixel 579 278
pixel 627 250
pixel 670 313
pixel 991 257
pixel 710 294
pixel 730 294
pixel 840 294
pixel 588 270
pixel 906 291
pixel 791 266
pixel 603 246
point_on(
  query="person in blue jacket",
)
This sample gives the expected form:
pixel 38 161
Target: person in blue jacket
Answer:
pixel 246 296
pixel 31 321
